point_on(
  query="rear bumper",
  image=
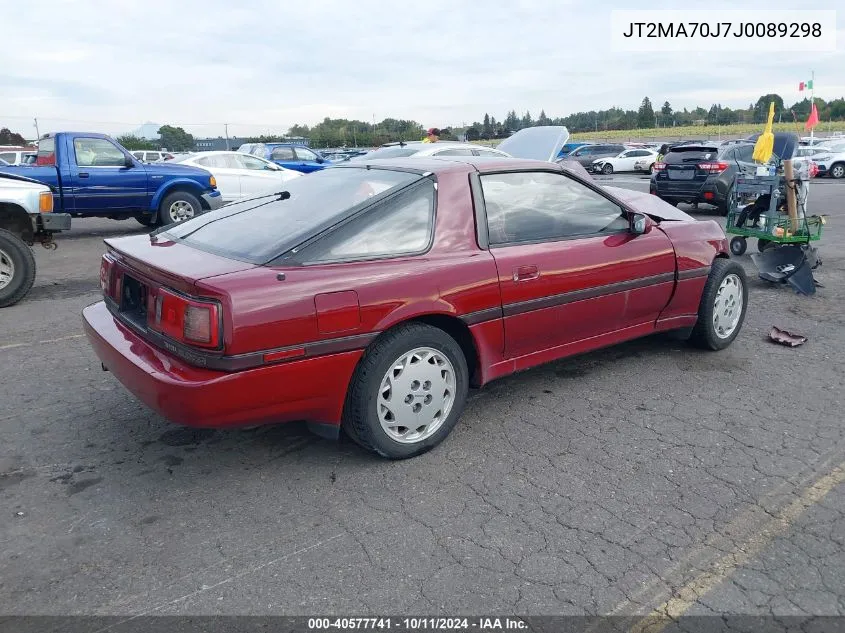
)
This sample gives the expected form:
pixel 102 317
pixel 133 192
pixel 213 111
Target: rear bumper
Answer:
pixel 681 191
pixel 312 389
pixel 214 200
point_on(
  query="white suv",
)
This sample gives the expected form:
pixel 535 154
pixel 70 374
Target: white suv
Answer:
pixel 832 163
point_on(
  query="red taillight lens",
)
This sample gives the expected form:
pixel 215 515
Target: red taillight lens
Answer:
pixel 182 319
pixel 110 278
pixel 713 168
pixel 659 166
pixel 814 170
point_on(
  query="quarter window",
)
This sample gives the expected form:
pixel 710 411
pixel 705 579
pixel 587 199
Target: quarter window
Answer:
pixel 545 206
pixel 399 226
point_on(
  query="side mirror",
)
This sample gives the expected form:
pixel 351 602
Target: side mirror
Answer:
pixel 128 162
pixel 639 224
pixel 320 159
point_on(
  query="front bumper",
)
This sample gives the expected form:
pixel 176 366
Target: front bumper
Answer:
pixel 312 389
pixel 214 200
pixel 51 222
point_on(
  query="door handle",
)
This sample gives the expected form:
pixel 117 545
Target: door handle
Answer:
pixel 83 174
pixel 525 273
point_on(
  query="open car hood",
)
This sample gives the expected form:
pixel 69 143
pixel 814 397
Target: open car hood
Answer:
pixel 543 142
pixel 649 204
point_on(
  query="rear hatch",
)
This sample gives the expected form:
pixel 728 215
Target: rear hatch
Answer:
pixel 685 168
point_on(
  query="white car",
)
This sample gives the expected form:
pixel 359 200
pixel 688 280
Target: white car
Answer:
pixel 418 149
pixel 147 156
pixel 832 161
pixel 638 159
pixel 16 155
pixel 240 176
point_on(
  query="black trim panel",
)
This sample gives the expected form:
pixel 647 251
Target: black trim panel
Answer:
pixel 480 316
pixel 693 273
pixel 522 307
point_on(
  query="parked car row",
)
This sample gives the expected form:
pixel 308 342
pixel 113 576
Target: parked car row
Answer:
pixel 607 158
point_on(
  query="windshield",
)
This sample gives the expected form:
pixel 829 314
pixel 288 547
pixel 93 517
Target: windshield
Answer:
pixel 260 230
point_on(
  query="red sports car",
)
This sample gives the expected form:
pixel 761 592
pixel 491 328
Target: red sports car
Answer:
pixel 370 296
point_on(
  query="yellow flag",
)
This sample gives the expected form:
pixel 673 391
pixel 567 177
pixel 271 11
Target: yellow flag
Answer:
pixel 765 145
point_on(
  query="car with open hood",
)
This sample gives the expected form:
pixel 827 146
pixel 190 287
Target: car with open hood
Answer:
pixel 369 297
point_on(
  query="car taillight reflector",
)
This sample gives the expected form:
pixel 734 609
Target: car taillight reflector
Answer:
pixel 659 166
pixel 713 168
pixel 183 319
pixel 109 278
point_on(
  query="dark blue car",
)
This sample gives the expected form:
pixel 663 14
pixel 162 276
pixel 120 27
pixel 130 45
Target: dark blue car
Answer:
pixel 287 155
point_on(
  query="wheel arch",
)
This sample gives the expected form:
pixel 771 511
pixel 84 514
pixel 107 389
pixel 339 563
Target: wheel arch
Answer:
pixel 16 220
pixel 172 186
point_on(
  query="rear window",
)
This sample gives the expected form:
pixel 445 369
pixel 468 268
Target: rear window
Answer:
pixel 690 154
pixel 46 152
pixel 258 232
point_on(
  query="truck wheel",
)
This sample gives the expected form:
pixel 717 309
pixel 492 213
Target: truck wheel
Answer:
pixel 178 206
pixel 17 269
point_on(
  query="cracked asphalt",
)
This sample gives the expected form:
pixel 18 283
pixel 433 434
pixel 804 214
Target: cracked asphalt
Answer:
pixel 643 477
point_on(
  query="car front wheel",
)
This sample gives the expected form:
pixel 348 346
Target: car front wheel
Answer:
pixel 17 269
pixel 607 169
pixel 179 206
pixel 721 310
pixel 837 170
pixel 407 393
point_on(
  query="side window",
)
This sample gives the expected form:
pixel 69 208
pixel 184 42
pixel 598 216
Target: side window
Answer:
pixel 638 153
pixel 9 157
pixel 457 151
pixel 746 153
pixel 305 154
pixel 138 155
pixel 399 226
pixel 489 152
pixel 545 206
pixel 282 153
pixel 250 162
pixel 97 152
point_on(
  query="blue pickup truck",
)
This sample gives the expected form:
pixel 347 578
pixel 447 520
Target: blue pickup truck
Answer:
pixel 93 176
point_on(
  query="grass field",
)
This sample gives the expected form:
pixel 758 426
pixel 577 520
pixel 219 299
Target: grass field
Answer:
pixel 696 131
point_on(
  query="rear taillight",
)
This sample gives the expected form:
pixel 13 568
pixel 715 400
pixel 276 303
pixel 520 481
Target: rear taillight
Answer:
pixel 109 278
pixel 185 320
pixel 713 167
pixel 659 166
pixel 814 170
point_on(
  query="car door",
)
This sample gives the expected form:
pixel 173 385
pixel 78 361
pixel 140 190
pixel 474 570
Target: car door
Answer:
pixel 625 161
pixel 307 161
pixel 258 177
pixel 105 179
pixel 570 270
pixel 227 171
pixel 284 157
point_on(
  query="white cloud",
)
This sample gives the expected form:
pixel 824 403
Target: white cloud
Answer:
pixel 264 64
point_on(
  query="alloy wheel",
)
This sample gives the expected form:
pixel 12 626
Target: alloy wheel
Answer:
pixel 727 308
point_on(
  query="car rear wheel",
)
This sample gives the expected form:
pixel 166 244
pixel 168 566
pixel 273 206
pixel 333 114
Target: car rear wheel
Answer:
pixel 651 168
pixel 721 311
pixel 17 269
pixel 178 206
pixel 407 393
pixel 607 169
pixel 837 170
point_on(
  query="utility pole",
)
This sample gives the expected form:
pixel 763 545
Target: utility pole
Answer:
pixel 226 130
pixel 37 133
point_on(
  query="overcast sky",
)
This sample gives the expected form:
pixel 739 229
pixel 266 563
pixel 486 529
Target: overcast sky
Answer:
pixel 263 65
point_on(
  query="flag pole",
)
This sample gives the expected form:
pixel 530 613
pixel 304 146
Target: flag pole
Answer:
pixel 812 100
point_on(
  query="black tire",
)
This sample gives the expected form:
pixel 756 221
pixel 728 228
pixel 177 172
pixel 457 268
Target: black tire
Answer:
pixel 651 168
pixel 147 220
pixel 738 245
pixel 170 199
pixel 763 244
pixel 607 169
pixel 360 415
pixel 837 170
pixel 15 252
pixel 704 333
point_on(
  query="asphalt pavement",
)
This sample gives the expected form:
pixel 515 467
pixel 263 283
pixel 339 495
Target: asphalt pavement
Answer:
pixel 649 477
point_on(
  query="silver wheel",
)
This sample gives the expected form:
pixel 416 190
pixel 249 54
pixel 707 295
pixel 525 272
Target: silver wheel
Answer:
pixel 180 210
pixel 416 395
pixel 727 309
pixel 7 269
pixel 837 171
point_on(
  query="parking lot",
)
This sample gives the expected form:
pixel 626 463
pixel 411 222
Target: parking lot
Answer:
pixel 607 483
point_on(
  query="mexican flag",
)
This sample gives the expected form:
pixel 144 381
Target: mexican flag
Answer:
pixel 805 85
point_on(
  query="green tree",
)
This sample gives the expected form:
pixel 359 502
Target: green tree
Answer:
pixel 645 115
pixel 486 130
pixel 527 120
pixel 132 142
pixel 7 137
pixel 543 119
pixel 175 139
pixel 761 108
